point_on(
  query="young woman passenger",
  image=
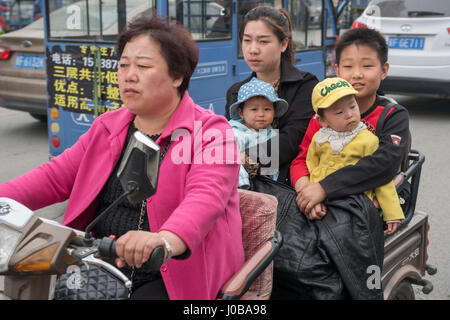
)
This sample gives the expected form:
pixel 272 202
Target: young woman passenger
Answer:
pixel 266 37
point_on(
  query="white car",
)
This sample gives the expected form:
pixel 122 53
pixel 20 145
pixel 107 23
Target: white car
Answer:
pixel 418 36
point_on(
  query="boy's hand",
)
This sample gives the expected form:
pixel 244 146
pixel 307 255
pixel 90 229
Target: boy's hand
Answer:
pixel 391 226
pixel 317 212
pixel 310 196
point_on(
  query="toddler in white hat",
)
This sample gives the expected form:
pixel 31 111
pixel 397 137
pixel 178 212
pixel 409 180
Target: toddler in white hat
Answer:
pixel 252 116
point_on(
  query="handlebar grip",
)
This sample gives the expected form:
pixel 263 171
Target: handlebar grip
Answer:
pixel 156 258
pixel 107 250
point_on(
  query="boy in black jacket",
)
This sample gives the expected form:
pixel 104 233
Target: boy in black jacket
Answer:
pixel 361 56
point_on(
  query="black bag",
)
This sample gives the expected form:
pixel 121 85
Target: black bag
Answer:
pixel 325 259
pixel 95 283
pixel 295 277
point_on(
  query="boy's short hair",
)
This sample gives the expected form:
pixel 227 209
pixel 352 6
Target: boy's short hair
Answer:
pixel 363 37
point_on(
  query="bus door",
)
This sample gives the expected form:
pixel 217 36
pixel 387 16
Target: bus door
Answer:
pixel 330 35
pixel 82 64
pixel 211 25
pixel 307 24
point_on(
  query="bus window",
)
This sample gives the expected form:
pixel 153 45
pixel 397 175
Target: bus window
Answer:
pixel 205 19
pixel 94 20
pixel 55 4
pixel 306 18
pixel 331 33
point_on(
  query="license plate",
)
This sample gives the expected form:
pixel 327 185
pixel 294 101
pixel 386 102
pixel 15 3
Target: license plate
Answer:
pixel 29 61
pixel 415 43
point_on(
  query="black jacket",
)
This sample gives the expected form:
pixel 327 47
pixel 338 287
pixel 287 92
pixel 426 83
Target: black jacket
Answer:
pixel 327 259
pixel 296 88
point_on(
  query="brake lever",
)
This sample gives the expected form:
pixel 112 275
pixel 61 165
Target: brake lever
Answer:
pixel 91 259
pixel 87 256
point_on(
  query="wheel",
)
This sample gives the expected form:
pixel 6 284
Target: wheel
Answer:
pixel 403 291
pixel 40 117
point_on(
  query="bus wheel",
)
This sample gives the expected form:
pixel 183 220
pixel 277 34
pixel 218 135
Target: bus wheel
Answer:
pixel 40 117
pixel 403 291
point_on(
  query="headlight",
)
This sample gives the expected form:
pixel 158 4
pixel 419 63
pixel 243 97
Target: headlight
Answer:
pixel 8 242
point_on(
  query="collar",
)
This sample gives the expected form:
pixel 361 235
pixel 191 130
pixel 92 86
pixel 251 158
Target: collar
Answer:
pixel 239 124
pixel 239 128
pixel 338 140
pixel 182 118
pixel 379 101
pixel 288 73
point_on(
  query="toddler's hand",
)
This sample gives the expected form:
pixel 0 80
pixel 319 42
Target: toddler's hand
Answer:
pixel 391 226
pixel 317 212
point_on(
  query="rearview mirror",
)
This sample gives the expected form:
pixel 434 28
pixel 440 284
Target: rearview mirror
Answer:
pixel 139 167
pixel 138 174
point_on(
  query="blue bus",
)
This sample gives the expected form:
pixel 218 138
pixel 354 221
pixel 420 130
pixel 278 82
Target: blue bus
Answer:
pixel 82 66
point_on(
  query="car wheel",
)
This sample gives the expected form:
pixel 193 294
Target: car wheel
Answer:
pixel 40 117
pixel 403 291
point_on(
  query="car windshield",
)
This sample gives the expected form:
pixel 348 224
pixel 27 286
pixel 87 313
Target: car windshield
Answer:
pixel 410 8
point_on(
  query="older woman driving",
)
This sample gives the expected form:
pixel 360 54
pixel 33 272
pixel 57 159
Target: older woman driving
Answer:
pixel 194 214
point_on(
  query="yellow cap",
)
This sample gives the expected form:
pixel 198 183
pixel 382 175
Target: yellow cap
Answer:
pixel 330 90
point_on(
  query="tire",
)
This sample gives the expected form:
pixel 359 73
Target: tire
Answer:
pixel 40 117
pixel 403 291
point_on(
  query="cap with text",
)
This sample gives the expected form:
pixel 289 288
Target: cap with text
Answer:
pixel 330 90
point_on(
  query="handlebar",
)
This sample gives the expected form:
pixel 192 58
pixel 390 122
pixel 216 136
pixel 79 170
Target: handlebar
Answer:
pixel 91 250
pixel 413 172
pixel 107 250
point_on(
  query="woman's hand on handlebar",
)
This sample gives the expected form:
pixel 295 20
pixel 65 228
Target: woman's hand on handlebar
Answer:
pixel 134 247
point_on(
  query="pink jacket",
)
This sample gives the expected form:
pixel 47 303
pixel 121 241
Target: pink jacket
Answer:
pixel 199 202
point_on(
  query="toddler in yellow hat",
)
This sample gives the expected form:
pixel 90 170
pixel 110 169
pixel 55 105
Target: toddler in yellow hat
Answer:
pixel 343 140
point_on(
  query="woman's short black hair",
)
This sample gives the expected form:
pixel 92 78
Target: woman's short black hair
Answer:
pixel 363 37
pixel 177 46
